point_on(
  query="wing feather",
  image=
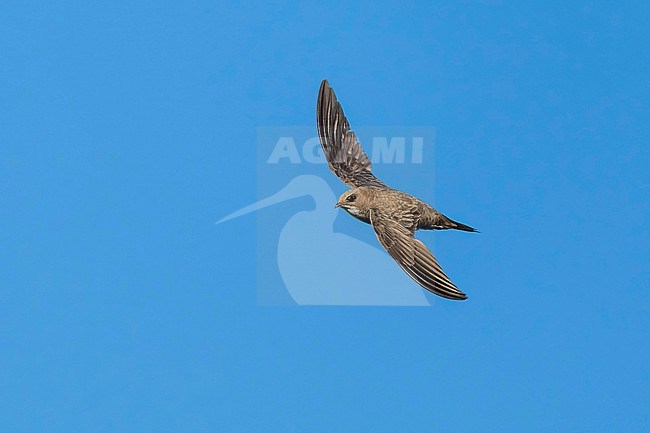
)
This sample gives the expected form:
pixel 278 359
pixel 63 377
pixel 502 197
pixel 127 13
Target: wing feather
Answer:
pixel 413 256
pixel 342 149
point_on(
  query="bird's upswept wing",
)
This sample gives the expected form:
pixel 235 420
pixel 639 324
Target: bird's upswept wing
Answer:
pixel 413 256
pixel 343 151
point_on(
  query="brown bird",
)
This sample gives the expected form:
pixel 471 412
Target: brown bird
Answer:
pixel 394 215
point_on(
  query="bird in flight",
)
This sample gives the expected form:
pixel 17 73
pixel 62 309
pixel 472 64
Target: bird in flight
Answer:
pixel 393 214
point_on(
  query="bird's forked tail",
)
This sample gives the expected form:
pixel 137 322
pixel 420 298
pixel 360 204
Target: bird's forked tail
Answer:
pixel 460 226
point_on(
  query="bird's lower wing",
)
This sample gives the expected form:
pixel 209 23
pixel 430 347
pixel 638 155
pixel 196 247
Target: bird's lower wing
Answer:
pixel 341 147
pixel 413 256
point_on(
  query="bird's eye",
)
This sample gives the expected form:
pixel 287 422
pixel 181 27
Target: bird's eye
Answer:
pixel 351 197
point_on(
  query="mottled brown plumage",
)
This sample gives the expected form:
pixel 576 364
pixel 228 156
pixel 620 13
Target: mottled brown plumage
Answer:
pixel 394 215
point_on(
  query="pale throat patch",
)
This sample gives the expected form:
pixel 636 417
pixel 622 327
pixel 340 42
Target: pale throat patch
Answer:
pixel 355 211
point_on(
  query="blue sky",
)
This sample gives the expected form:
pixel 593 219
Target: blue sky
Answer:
pixel 128 128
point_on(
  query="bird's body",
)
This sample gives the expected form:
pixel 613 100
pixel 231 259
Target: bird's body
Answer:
pixel 393 214
pixel 411 211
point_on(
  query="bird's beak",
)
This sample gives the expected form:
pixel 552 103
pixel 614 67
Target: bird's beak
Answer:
pixel 303 185
pixel 337 205
pixel 283 195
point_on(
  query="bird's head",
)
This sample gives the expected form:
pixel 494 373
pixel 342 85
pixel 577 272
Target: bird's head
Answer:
pixel 355 202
